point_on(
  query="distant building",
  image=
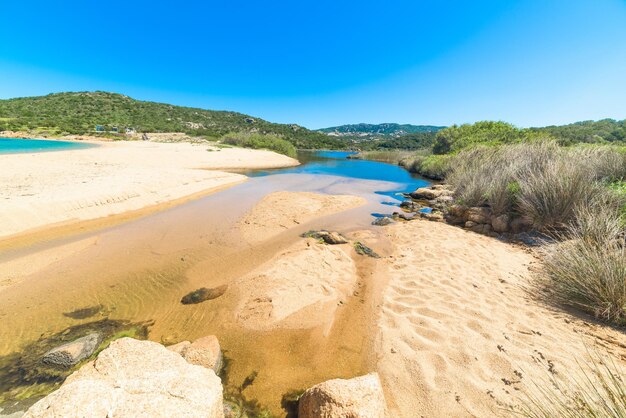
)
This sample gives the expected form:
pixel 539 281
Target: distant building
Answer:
pixel 100 128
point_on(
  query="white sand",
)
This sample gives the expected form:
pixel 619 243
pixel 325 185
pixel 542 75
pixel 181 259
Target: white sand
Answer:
pixel 41 189
pixel 460 335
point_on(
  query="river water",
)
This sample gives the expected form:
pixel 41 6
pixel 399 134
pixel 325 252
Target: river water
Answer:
pixel 136 272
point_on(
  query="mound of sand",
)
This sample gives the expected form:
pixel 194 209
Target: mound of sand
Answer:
pixel 298 289
pixel 280 211
pixel 459 332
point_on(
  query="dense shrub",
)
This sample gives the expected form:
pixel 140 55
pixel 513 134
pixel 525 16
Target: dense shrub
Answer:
pixel 260 141
pixel 538 179
pixel 457 137
pixel 588 269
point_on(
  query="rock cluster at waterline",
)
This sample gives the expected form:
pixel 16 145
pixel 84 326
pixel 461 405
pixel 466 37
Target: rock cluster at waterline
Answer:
pixel 142 378
pixel 436 203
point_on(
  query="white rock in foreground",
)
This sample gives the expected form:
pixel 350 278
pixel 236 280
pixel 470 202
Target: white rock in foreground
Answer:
pixel 135 378
pixel 361 397
pixel 203 352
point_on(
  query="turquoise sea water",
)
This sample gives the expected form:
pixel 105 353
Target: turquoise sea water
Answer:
pixel 22 145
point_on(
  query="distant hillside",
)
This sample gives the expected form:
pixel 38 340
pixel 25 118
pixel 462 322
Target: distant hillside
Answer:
pixel 382 130
pixel 80 113
pixel 605 130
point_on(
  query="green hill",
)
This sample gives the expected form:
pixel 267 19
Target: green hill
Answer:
pixel 80 113
pixel 382 130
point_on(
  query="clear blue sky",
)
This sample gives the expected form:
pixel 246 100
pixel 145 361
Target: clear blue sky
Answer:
pixel 328 62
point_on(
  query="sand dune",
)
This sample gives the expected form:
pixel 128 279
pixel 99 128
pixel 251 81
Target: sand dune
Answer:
pixel 460 335
pixel 40 189
pixel 298 289
pixel 280 211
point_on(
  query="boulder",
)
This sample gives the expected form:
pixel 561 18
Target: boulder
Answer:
pixel 481 229
pixel 382 221
pixel 203 352
pixel 360 397
pixel 457 211
pixel 72 353
pixel 500 223
pixel 480 215
pixel 521 225
pixel 410 206
pixel 432 216
pixel 470 224
pixel 135 378
pixel 426 193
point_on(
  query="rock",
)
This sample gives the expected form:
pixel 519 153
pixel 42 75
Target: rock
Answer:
pixel 470 224
pixel 398 215
pixel 135 378
pixel 332 238
pixel 444 200
pixel 363 249
pixel 521 225
pixel 382 221
pixel 481 229
pixel 203 294
pixel 480 215
pixel 233 410
pixel 360 397
pixel 500 223
pixel 72 353
pixel 432 216
pixel 457 211
pixel 203 352
pixel 425 193
pixel 410 206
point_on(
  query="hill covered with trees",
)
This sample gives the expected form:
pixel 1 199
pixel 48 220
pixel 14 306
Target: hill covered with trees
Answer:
pixel 85 112
pixel 382 130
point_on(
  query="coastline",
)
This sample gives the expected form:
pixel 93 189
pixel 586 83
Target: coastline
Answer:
pixel 123 179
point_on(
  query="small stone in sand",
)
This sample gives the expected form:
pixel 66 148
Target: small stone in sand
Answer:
pixel 332 238
pixel 203 294
pixel 382 221
pixel 363 249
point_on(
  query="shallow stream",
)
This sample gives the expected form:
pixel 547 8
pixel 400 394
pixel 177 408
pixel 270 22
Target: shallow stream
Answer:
pixel 136 273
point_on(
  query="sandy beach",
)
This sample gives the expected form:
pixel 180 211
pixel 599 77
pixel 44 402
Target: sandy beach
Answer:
pixel 43 189
pixel 461 331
